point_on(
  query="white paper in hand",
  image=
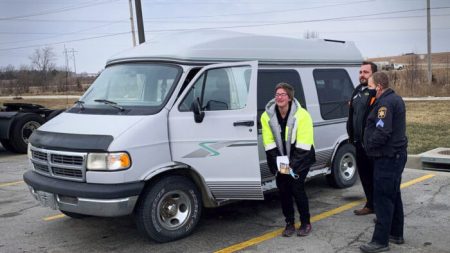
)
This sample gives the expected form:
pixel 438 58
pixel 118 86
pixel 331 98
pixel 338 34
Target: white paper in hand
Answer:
pixel 283 164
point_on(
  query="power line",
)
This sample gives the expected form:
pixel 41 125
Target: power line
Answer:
pixel 67 41
pixel 238 26
pixel 45 12
pixel 203 16
pixel 170 20
pixel 234 21
pixel 74 32
pixel 33 20
pixel 200 22
pixel 295 22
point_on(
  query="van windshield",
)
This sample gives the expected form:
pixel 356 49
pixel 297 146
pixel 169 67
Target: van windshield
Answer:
pixel 133 88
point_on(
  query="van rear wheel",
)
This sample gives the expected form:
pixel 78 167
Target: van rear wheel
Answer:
pixel 343 170
pixel 169 209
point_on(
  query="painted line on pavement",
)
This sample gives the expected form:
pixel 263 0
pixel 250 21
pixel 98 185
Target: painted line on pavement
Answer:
pixel 54 217
pixel 324 215
pixel 278 232
pixel 11 183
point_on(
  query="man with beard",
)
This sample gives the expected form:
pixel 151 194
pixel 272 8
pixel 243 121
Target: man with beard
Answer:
pixel 360 104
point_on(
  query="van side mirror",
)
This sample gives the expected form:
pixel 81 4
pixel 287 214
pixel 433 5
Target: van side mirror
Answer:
pixel 197 109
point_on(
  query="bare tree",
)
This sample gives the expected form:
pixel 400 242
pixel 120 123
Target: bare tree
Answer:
pixel 311 35
pixel 23 81
pixel 43 59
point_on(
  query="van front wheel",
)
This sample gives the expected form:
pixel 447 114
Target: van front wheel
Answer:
pixel 169 210
pixel 343 170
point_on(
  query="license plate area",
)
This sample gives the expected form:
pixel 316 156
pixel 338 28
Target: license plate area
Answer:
pixel 46 199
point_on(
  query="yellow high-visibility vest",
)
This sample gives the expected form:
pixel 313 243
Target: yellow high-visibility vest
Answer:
pixel 299 128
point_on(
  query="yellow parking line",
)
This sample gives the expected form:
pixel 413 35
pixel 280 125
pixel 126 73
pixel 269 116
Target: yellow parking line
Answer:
pixel 54 217
pixel 417 180
pixel 276 233
pixel 11 183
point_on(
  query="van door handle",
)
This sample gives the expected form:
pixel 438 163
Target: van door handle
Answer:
pixel 248 123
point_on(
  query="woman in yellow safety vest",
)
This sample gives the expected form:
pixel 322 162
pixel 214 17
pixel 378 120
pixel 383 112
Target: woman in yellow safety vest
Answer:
pixel 287 132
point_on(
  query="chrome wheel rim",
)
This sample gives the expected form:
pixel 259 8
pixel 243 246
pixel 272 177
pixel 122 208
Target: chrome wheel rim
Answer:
pixel 28 129
pixel 174 209
pixel 347 166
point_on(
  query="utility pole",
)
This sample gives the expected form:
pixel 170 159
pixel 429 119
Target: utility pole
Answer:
pixel 73 57
pixel 430 73
pixel 67 71
pixel 133 35
pixel 140 23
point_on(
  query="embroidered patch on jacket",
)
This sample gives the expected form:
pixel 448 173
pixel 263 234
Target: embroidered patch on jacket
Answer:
pixel 382 112
pixel 380 123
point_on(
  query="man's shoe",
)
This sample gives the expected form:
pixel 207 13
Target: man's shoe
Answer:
pixel 304 230
pixel 373 247
pixel 396 239
pixel 289 230
pixel 363 211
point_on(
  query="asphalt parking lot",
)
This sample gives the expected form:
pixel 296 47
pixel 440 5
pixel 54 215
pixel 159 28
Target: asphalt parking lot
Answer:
pixel 246 226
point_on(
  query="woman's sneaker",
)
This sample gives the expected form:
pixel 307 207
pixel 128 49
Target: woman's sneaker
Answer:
pixel 289 230
pixel 304 230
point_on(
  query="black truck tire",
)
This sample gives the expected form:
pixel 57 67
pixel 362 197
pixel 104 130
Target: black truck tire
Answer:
pixel 169 209
pixel 5 143
pixel 343 169
pixel 22 128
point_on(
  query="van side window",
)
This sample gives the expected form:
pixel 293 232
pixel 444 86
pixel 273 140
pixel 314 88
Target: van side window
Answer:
pixel 269 78
pixel 334 89
pixel 220 89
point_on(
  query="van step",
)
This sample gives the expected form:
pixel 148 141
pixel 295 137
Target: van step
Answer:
pixel 436 159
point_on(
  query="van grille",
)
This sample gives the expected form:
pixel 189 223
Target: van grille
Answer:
pixel 67 172
pixel 40 167
pixel 39 155
pixel 65 159
pixel 59 164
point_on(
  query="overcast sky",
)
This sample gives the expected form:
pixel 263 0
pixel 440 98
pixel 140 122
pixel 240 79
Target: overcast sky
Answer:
pixel 97 29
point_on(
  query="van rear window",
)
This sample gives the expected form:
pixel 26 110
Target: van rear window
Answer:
pixel 334 89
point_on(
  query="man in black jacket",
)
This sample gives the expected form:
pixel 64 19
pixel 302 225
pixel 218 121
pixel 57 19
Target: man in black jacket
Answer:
pixel 360 104
pixel 385 142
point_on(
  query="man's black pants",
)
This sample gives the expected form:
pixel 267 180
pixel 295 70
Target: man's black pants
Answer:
pixel 387 197
pixel 365 171
pixel 290 189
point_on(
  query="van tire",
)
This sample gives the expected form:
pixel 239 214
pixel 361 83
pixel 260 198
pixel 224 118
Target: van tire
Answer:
pixel 154 216
pixel 74 215
pixel 343 170
pixel 22 128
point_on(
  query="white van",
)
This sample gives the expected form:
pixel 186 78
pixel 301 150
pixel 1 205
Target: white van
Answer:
pixel 172 126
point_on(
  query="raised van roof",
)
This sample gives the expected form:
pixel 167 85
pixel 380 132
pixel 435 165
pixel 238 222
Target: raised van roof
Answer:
pixel 224 46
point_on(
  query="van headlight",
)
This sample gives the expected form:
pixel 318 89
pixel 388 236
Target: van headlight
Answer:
pixel 108 161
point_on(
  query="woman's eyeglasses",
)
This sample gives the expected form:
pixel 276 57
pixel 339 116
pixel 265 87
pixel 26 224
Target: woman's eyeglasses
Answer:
pixel 280 95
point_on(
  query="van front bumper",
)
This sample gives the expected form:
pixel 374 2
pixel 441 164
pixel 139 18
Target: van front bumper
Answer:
pixel 106 200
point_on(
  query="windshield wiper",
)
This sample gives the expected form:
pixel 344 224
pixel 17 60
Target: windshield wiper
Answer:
pixel 111 103
pixel 80 103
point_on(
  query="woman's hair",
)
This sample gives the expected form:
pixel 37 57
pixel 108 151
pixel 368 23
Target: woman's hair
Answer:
pixel 287 87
